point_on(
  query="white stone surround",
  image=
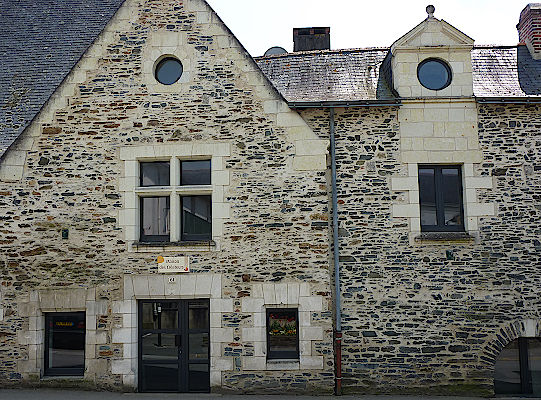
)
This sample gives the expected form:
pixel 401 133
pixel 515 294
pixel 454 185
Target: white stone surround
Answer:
pixel 33 306
pixel 129 219
pixel 473 209
pixel 186 286
pixel 282 295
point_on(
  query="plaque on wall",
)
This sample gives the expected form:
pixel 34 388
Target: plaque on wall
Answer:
pixel 173 264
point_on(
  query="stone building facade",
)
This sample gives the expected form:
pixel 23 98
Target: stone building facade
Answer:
pixel 422 310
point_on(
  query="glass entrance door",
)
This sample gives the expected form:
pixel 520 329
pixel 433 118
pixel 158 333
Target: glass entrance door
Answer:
pixel 174 350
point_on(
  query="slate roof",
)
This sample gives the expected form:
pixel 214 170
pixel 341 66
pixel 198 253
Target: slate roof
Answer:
pixel 353 75
pixel 317 76
pixel 40 42
pixel 505 72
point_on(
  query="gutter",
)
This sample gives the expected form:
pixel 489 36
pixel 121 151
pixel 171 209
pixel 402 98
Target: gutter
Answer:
pixel 509 100
pixel 333 104
pixel 398 102
pixel 338 311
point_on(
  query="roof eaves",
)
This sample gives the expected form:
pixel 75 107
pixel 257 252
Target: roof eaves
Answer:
pixel 509 100
pixel 346 104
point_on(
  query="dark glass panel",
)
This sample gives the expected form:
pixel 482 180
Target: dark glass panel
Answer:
pixel 199 346
pixel 155 173
pixel 195 172
pixel 427 197
pixel 199 377
pixel 168 71
pixel 196 218
pixel 160 377
pixel 66 342
pixel 198 316
pixel 282 333
pixel 155 218
pixel 452 199
pixel 434 74
pixel 507 370
pixel 160 347
pixel 160 315
pixel 534 355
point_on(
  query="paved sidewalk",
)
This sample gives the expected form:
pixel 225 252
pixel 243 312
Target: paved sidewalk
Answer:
pixel 52 394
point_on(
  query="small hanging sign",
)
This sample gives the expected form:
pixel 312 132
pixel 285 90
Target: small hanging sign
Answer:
pixel 173 264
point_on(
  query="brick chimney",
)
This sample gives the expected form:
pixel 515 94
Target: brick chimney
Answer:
pixel 306 39
pixel 529 29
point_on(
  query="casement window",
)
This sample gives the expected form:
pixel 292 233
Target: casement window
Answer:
pixel 175 201
pixel 282 333
pixel 65 344
pixel 518 368
pixel 440 198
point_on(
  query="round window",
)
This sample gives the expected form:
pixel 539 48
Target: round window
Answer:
pixel 434 74
pixel 168 71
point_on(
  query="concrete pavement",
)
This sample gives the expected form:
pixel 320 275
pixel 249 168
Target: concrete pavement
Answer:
pixel 52 394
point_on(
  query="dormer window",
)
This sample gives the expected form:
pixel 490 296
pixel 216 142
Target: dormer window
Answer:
pixel 434 74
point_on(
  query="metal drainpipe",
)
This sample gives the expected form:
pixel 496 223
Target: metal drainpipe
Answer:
pixel 338 329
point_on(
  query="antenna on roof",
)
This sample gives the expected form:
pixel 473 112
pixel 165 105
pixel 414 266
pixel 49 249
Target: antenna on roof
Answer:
pixel 430 10
pixel 274 51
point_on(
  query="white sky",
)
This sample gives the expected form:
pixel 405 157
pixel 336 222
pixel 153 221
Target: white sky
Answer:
pixel 260 24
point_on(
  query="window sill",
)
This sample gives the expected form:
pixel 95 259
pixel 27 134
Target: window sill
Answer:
pixel 203 245
pixel 444 238
pixel 282 365
pixel 61 377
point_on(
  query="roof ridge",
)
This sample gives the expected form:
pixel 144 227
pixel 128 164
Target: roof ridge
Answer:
pixel 334 51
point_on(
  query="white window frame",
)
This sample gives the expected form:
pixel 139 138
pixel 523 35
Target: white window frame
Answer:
pixel 129 218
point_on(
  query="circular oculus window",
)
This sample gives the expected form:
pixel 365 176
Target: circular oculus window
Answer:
pixel 168 71
pixel 434 74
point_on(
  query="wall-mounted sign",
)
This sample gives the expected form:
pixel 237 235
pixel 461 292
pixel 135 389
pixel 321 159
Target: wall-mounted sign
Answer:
pixel 173 264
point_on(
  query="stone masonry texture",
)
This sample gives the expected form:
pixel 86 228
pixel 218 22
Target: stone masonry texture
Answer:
pixel 433 317
pixel 278 227
pixel 419 315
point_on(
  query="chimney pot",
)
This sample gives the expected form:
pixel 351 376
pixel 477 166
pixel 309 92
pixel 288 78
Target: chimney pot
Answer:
pixel 307 39
pixel 529 29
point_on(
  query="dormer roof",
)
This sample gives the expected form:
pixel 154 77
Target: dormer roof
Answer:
pixel 433 32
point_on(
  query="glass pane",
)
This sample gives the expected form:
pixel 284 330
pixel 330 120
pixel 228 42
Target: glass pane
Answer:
pixel 169 71
pixel 66 345
pixel 196 218
pixel 199 377
pixel 155 218
pixel 534 353
pixel 433 74
pixel 451 196
pixel 160 377
pixel 282 330
pixel 427 196
pixel 160 316
pixel 195 172
pixel 198 317
pixel 155 174
pixel 507 370
pixel 199 346
pixel 160 347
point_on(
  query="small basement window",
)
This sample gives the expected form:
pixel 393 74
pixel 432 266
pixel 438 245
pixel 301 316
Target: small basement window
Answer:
pixel 65 344
pixel 282 333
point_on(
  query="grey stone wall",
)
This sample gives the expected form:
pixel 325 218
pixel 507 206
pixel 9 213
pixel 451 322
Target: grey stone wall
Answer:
pixel 276 232
pixel 431 317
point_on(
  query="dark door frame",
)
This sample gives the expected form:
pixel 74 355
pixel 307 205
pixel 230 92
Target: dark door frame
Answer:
pixel 182 334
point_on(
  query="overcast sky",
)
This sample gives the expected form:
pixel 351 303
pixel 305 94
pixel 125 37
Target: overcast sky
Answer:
pixel 260 24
